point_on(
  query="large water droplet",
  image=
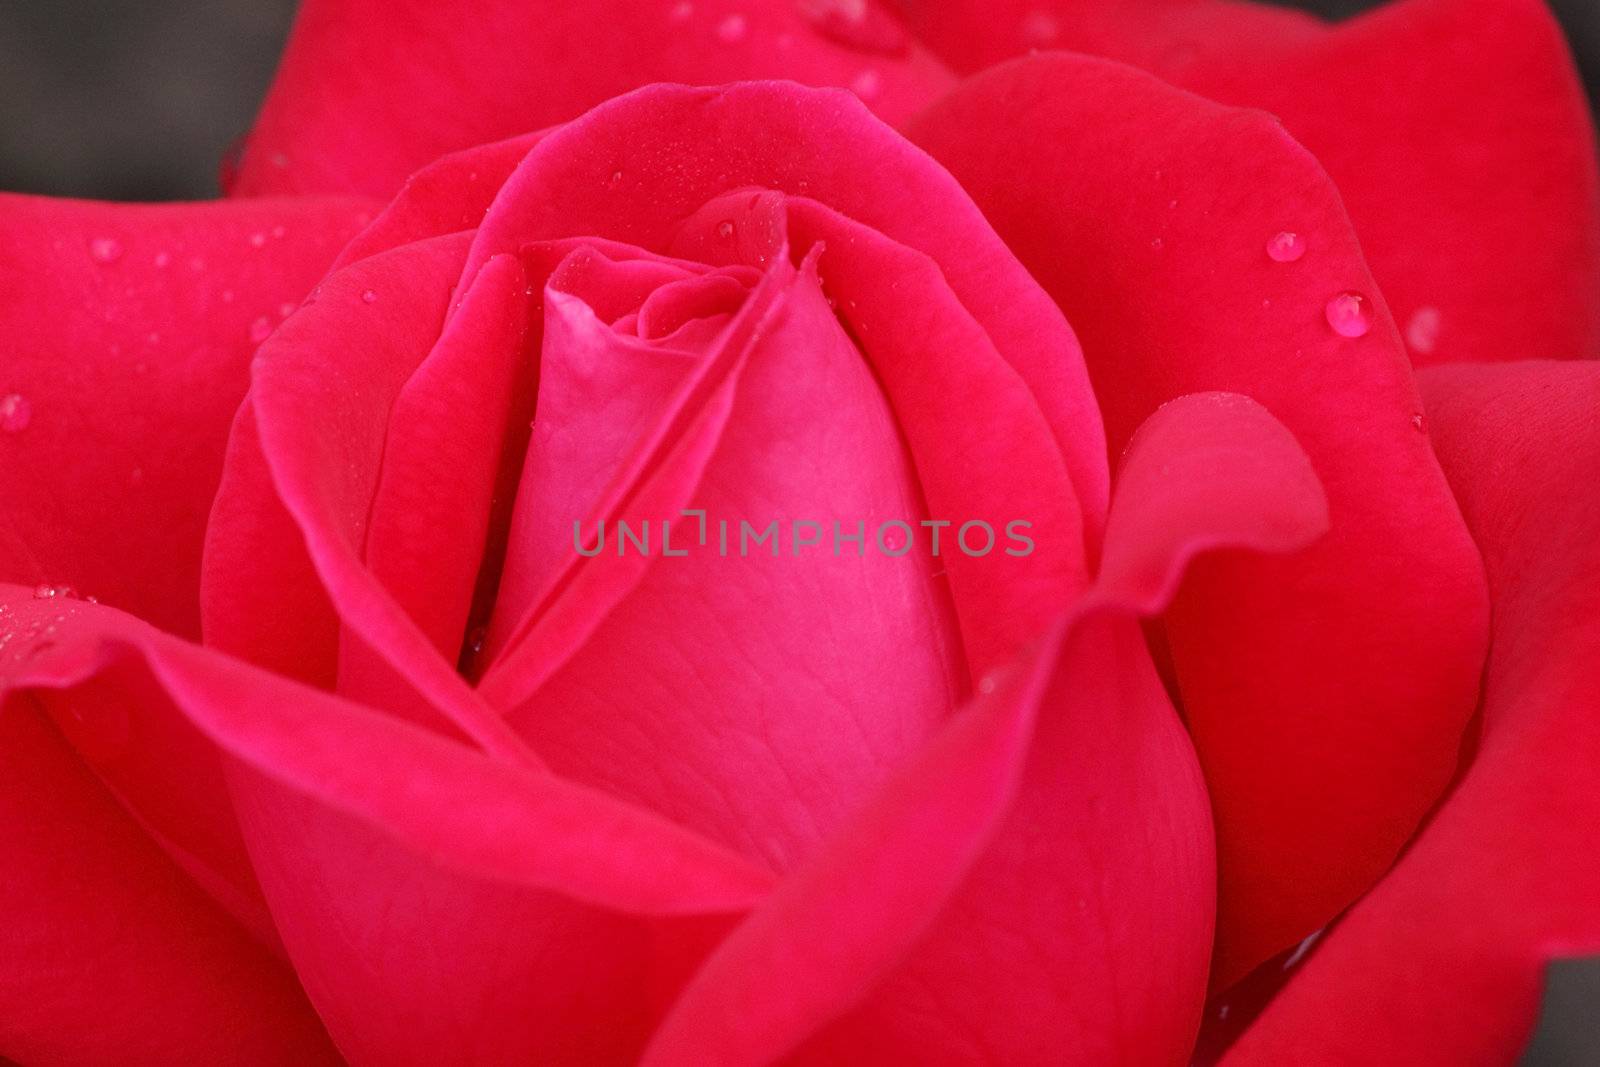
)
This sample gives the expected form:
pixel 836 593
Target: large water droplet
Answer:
pixel 105 249
pixel 1422 332
pixel 15 413
pixel 1286 247
pixel 732 29
pixel 1350 314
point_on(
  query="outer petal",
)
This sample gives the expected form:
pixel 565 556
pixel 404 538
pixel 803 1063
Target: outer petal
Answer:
pixel 1457 131
pixel 1035 886
pixel 108 953
pixel 127 331
pixel 1442 963
pixel 370 90
pixel 417 883
pixel 1326 691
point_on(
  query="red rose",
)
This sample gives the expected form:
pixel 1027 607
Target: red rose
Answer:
pixel 671 591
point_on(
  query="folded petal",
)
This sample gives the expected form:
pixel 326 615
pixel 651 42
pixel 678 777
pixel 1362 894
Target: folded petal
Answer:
pixel 416 882
pixel 343 113
pixel 1443 962
pixel 108 953
pixel 1457 130
pixel 127 332
pixel 1036 886
pixel 1326 690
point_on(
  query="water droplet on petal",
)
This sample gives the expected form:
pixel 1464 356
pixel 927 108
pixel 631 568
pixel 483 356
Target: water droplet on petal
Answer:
pixel 1422 332
pixel 15 413
pixel 986 685
pixel 260 330
pixel 1419 422
pixel 163 259
pixel 732 29
pixel 279 231
pixel 725 229
pixel 285 309
pixel 1040 29
pixel 368 296
pixel 1286 247
pixel 1158 244
pixel 46 591
pixel 1350 314
pixel 257 240
pixel 105 249
pixel 867 85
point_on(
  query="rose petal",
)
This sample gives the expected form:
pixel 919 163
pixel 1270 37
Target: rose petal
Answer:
pixel 1327 690
pixel 758 696
pixel 1457 130
pixel 324 388
pixel 416 882
pixel 108 953
pixel 346 113
pixel 688 147
pixel 1039 878
pixel 1442 963
pixel 127 330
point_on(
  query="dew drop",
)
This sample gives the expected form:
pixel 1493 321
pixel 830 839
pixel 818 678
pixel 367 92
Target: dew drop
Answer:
pixel 285 309
pixel 15 413
pixel 1350 314
pixel 105 249
pixel 46 591
pixel 1040 29
pixel 260 330
pixel 1286 247
pixel 867 85
pixel 1419 422
pixel 725 229
pixel 1158 244
pixel 257 240
pixel 732 29
pixel 986 685
pixel 279 231
pixel 368 296
pixel 1422 332
pixel 163 259
pixel 616 178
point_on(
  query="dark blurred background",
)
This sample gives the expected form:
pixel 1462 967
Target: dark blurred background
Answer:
pixel 138 101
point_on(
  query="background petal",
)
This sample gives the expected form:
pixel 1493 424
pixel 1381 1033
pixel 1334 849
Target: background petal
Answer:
pixel 127 331
pixel 1457 131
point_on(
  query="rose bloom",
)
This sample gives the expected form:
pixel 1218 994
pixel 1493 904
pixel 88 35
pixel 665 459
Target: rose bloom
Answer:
pixel 324 741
